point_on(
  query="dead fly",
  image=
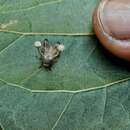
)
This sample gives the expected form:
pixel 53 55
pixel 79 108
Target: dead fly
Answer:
pixel 48 53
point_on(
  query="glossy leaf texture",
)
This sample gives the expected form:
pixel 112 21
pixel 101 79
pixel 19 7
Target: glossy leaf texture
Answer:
pixel 87 89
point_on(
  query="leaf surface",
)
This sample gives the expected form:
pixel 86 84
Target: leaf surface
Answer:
pixel 87 89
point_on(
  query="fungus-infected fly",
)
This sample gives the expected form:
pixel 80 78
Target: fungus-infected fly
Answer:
pixel 48 52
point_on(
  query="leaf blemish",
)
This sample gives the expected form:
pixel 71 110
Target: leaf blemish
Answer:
pixel 10 23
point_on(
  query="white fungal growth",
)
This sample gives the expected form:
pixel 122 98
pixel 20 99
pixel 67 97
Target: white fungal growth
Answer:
pixel 37 44
pixel 61 47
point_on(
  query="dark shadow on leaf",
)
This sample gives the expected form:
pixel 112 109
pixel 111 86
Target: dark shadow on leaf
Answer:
pixel 114 60
pixel 1 127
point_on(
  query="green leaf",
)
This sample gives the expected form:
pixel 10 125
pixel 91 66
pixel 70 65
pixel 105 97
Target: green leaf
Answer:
pixel 87 89
pixel 82 65
pixel 105 108
pixel 47 16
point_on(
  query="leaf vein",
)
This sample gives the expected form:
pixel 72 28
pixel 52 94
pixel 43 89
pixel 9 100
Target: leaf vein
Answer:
pixel 11 44
pixel 30 76
pixel 62 113
pixel 104 105
pixel 14 85
pixel 46 33
pixel 33 7
pixel 67 91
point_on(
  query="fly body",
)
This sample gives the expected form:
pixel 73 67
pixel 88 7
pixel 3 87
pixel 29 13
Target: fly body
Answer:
pixel 48 52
